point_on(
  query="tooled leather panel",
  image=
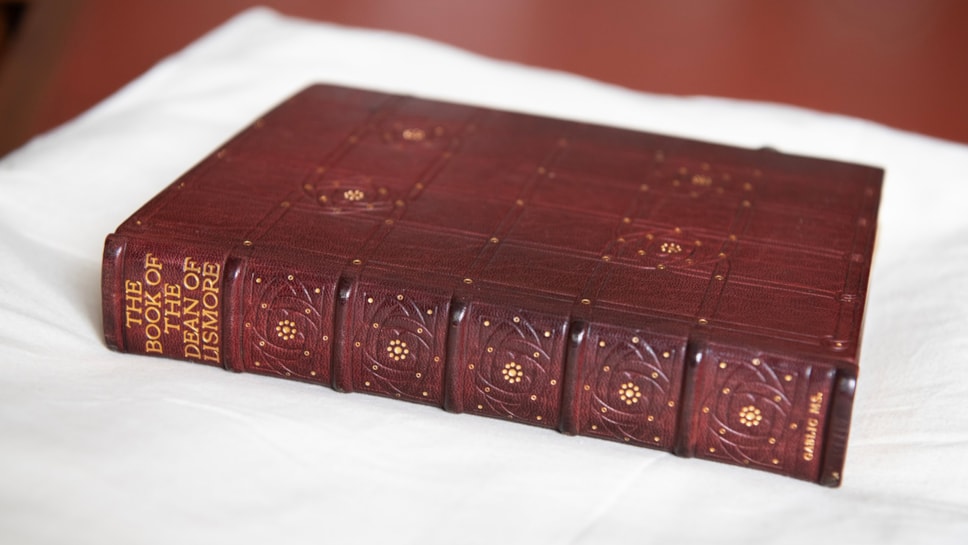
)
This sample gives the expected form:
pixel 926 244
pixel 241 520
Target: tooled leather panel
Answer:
pixel 397 341
pixel 763 410
pixel 629 385
pixel 287 320
pixel 510 364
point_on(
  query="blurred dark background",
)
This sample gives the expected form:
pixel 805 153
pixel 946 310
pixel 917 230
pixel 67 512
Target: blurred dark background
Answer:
pixel 899 62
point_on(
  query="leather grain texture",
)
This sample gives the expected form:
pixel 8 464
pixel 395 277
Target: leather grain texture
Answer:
pixel 673 294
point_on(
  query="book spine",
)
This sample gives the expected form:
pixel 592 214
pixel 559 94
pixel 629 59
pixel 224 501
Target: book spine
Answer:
pixel 163 299
pixel 656 385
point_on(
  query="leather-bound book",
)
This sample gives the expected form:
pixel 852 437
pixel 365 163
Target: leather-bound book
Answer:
pixel 694 298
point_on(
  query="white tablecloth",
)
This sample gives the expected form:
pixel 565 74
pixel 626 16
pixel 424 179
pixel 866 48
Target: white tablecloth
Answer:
pixel 99 447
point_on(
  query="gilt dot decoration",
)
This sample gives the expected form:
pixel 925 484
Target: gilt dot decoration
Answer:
pixel 629 393
pixel 512 372
pixel 353 195
pixel 286 330
pixel 397 350
pixel 750 416
pixel 670 248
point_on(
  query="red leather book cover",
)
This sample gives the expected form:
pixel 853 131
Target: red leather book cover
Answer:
pixel 672 294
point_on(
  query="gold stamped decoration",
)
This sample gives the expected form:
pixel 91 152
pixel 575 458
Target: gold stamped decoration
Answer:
pixel 629 393
pixel 748 420
pixel 512 372
pixel 413 134
pixel 515 372
pixel 670 248
pixel 398 350
pixel 702 180
pixel 286 330
pixel 407 131
pixel 750 416
pixel 353 195
pixel 343 191
pixel 283 324
pixel 394 345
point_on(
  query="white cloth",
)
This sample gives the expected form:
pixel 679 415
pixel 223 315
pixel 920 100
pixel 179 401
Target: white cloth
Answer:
pixel 99 447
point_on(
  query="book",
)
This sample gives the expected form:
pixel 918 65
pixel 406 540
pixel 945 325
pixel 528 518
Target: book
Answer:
pixel 695 298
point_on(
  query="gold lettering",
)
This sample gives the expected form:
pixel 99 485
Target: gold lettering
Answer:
pixel 210 285
pixel 152 304
pixel 153 300
pixel 212 270
pixel 132 303
pixel 191 266
pixel 153 314
pixel 211 273
pixel 192 350
pixel 211 354
pixel 153 332
pixel 210 301
pixel 190 321
pixel 152 262
pixel 152 270
pixel 200 315
pixel 191 306
pixel 210 337
pixel 169 309
pixel 132 287
pixel 209 319
pixel 810 439
pixel 812 428
pixel 172 299
pixel 152 277
pixel 191 279
pixel 816 400
pixel 172 307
